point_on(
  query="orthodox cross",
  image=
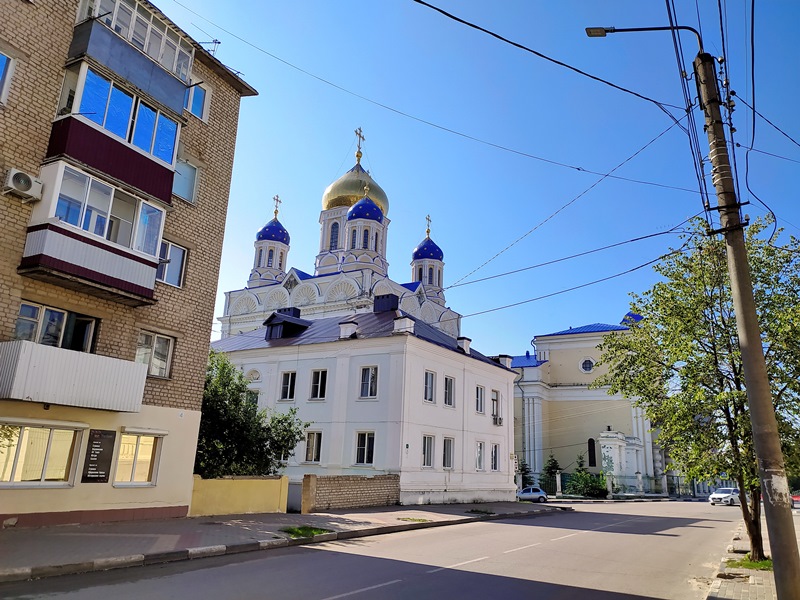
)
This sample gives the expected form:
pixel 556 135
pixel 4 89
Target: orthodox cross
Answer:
pixel 277 201
pixel 360 137
pixel 428 231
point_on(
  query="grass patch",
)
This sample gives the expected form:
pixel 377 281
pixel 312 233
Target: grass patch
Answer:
pixel 746 563
pixel 414 519
pixel 480 511
pixel 305 531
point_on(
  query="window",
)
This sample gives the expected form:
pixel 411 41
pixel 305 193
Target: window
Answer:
pixel 287 385
pixel 107 212
pixel 136 461
pixel 427 450
pixel 495 457
pixel 479 456
pixel 448 451
pixel 155 351
pixel 184 183
pixel 495 403
pixel 270 257
pixel 260 258
pixel 313 446
pixel 135 23
pixel 419 274
pixel 172 259
pixel 319 380
pixel 123 114
pixel 353 239
pixel 592 452
pixel 449 391
pixel 587 365
pixel 37 454
pixel 334 242
pixel 376 241
pixel 365 242
pixel 369 382
pixel 430 387
pixel 196 100
pixel 430 275
pixel 365 447
pixel 280 261
pixel 480 395
pixel 54 327
pixel 6 71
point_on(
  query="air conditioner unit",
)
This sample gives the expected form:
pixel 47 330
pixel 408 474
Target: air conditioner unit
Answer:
pixel 497 420
pixel 23 185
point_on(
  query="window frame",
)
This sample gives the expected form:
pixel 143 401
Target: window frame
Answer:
pixel 480 399
pixel 314 449
pixel 333 242
pixel 70 466
pixel 69 319
pixel 429 387
pixel 480 456
pixel 7 68
pixel 319 388
pixel 449 391
pixel 191 96
pixel 151 354
pixel 448 453
pixel 166 266
pixel 582 364
pixel 428 448
pixel 288 386
pixel 496 403
pixel 193 180
pixel 494 457
pixel 154 459
pixel 367 450
pixel 369 384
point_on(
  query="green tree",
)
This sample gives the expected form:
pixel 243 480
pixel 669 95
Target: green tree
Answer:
pixel 583 483
pixel 525 471
pixel 235 437
pixel 681 362
pixel 551 467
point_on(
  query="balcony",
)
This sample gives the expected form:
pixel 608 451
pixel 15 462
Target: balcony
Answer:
pixel 45 374
pixel 59 254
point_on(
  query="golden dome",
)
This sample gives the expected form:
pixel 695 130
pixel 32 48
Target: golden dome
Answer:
pixel 349 189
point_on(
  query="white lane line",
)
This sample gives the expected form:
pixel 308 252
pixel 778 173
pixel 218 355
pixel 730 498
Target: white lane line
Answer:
pixel 366 589
pixel 615 524
pixel 466 562
pixel 563 537
pixel 522 548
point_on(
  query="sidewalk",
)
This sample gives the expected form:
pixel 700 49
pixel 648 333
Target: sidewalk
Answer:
pixel 66 549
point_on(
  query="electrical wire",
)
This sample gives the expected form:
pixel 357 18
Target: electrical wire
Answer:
pixel 425 121
pixel 778 129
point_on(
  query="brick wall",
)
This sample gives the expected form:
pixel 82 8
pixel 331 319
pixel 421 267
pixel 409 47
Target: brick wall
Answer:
pixel 332 492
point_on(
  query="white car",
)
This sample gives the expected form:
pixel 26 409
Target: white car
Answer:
pixel 729 496
pixel 534 494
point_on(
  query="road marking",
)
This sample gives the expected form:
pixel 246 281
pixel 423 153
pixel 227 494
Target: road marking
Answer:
pixel 366 589
pixel 563 537
pixel 522 547
pixel 466 562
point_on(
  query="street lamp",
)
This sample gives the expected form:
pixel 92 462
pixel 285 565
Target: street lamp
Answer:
pixel 772 473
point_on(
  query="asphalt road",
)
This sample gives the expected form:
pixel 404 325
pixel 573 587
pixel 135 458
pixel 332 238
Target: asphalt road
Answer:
pixel 601 551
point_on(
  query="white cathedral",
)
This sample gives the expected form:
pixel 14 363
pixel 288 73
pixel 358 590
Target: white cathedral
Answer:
pixel 350 270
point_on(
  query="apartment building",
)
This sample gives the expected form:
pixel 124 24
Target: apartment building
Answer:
pixel 117 135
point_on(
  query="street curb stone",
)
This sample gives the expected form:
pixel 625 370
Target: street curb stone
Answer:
pixel 204 551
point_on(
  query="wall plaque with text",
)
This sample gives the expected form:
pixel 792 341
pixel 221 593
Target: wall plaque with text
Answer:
pixel 99 452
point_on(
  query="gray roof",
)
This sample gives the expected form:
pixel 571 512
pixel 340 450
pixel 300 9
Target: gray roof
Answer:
pixel 370 325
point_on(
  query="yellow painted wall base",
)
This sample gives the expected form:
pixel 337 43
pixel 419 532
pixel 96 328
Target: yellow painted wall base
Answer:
pixel 234 495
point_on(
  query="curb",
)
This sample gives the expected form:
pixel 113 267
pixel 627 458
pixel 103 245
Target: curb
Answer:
pixel 155 558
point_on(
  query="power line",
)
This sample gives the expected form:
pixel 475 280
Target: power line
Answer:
pixel 778 129
pixel 575 199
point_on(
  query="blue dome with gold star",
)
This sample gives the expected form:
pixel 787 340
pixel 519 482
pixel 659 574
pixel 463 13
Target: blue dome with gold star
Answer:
pixel 365 209
pixel 427 248
pixel 273 231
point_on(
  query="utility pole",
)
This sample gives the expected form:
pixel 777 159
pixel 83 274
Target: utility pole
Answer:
pixel 774 486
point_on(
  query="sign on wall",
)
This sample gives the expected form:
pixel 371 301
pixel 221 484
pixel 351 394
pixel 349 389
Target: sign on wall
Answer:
pixel 99 452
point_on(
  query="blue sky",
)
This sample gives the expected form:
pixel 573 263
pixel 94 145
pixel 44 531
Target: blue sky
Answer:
pixel 297 136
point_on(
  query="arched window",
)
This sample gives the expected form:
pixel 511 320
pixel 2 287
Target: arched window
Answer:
pixel 430 275
pixel 353 240
pixel 439 281
pixel 591 453
pixel 334 245
pixel 365 242
pixel 270 257
pixel 419 274
pixel 376 241
pixel 280 261
pixel 260 259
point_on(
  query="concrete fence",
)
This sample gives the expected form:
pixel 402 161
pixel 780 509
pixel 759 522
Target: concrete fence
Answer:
pixel 327 492
pixel 239 495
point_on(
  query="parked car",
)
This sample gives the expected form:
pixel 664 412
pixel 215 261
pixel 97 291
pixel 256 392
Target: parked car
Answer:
pixel 796 499
pixel 534 494
pixel 729 496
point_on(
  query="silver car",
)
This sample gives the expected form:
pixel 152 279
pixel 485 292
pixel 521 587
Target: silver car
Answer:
pixel 534 494
pixel 729 496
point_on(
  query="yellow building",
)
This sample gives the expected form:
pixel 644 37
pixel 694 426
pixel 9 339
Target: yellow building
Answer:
pixel 117 135
pixel 555 411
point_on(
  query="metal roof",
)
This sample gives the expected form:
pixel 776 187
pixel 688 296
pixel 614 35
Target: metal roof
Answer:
pixel 593 328
pixel 526 360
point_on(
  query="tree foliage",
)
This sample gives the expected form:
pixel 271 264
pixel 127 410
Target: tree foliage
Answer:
pixel 235 437
pixel 584 483
pixel 681 362
pixel 551 467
